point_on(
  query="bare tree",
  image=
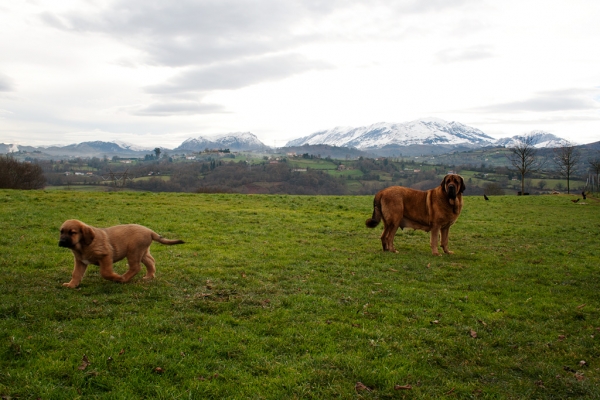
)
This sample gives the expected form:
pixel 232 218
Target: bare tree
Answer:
pixel 18 175
pixel 595 168
pixel 523 158
pixel 566 158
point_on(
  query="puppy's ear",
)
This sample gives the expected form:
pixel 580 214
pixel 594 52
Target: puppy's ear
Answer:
pixel 462 184
pixel 87 234
pixel 443 184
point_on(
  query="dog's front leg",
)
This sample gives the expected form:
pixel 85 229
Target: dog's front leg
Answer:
pixel 433 241
pixel 77 275
pixel 445 233
pixel 106 270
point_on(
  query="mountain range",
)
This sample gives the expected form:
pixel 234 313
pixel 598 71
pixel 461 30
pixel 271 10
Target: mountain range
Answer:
pixel 423 136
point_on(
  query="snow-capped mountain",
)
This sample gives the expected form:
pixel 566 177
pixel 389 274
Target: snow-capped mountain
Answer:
pixel 429 131
pixel 233 141
pixel 541 139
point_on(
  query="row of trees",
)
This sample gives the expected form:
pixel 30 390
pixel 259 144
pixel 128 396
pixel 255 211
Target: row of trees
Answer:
pixel 524 158
pixel 19 175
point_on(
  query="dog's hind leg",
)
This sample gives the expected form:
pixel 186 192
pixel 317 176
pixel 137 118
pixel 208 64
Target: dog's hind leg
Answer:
pixel 149 262
pixel 387 237
pixel 134 267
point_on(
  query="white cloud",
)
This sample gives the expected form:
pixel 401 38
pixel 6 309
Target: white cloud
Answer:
pixel 284 69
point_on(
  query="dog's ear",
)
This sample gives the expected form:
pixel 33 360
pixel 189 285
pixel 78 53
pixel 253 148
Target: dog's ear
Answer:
pixel 87 234
pixel 443 184
pixel 462 184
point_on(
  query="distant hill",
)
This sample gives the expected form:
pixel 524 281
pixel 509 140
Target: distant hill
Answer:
pixel 422 132
pixel 541 139
pixel 239 141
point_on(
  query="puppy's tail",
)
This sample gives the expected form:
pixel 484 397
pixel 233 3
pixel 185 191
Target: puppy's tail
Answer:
pixel 156 237
pixel 376 218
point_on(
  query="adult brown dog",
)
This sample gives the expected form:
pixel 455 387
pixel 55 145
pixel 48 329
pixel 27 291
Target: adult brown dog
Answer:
pixel 432 211
pixel 105 246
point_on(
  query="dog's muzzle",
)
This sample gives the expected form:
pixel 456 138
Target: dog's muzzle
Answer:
pixel 452 192
pixel 65 243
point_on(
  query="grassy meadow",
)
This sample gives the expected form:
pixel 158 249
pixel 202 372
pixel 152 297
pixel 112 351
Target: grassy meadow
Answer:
pixel 282 297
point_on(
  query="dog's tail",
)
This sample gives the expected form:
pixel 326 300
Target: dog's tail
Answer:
pixel 376 218
pixel 156 237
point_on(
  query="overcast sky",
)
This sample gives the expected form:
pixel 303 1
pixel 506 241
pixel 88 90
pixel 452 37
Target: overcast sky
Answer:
pixel 156 72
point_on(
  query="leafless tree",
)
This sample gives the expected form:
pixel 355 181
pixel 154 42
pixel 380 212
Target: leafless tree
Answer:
pixel 19 175
pixel 566 158
pixel 523 157
pixel 595 168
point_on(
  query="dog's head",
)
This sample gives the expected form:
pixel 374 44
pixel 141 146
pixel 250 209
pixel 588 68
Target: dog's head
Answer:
pixel 453 185
pixel 74 233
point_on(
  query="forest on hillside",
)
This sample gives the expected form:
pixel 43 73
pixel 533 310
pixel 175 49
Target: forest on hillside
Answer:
pixel 307 174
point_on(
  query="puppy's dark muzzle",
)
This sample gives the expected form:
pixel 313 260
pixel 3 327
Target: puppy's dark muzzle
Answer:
pixel 65 243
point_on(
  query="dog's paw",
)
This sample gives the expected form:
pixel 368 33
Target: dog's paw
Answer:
pixel 69 285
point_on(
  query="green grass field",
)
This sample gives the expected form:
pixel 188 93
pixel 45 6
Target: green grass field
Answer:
pixel 280 297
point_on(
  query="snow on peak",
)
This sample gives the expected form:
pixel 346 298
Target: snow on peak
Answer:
pixel 422 131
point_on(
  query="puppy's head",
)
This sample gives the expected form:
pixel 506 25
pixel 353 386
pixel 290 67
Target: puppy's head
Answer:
pixel 453 184
pixel 74 233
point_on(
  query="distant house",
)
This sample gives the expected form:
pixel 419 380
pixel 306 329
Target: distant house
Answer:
pixel 299 170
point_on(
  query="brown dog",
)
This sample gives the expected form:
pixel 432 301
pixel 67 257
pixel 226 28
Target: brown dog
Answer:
pixel 434 210
pixel 105 246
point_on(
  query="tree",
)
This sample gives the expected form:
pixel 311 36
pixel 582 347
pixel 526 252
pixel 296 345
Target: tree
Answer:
pixel 595 167
pixel 522 157
pixel 17 175
pixel 157 152
pixel 566 158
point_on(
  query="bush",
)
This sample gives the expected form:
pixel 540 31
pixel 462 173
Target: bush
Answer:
pixel 17 175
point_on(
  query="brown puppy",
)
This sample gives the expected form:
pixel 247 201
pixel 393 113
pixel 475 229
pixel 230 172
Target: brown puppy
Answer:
pixel 432 211
pixel 105 246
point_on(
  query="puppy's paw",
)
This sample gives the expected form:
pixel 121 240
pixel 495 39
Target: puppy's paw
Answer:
pixel 70 285
pixel 148 277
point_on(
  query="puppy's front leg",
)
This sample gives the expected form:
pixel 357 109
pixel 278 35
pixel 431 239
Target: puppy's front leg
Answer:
pixel 77 275
pixel 106 270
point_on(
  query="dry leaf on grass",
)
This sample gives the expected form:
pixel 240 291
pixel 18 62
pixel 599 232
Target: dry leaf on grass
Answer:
pixel 405 387
pixel 122 352
pixel 159 370
pixel 581 306
pixel 473 334
pixel 361 386
pixel 84 363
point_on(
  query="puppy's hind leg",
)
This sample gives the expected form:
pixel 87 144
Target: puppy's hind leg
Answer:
pixel 150 264
pixel 134 267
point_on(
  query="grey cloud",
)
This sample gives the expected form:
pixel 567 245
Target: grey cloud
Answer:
pixel 236 75
pixel 191 32
pixel 178 108
pixel 560 100
pixel 472 53
pixel 6 83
